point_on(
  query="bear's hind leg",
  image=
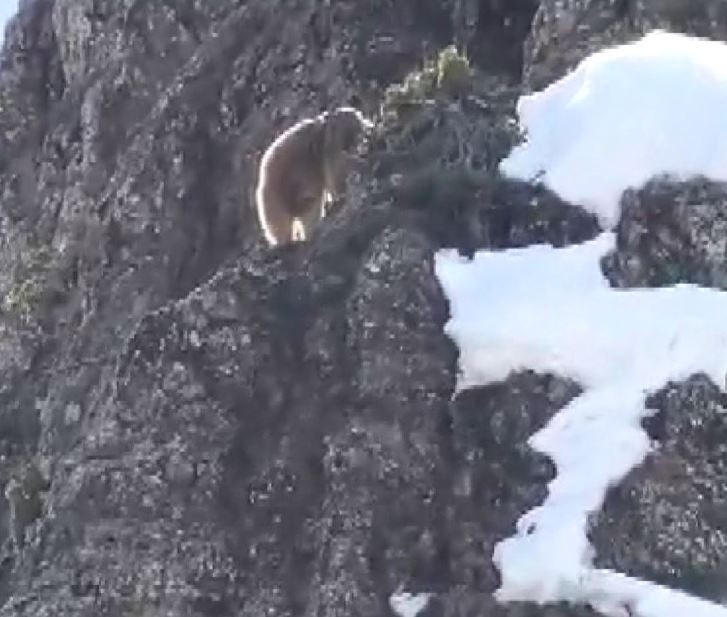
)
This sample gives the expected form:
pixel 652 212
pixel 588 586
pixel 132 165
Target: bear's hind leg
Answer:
pixel 277 224
pixel 309 221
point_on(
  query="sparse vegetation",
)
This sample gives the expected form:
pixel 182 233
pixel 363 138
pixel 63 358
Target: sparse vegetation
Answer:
pixel 447 75
pixel 453 71
pixel 24 295
pixel 445 128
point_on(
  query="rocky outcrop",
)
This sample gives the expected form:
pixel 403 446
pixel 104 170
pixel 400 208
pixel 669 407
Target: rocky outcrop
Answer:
pixel 193 424
pixel 674 533
pixel 565 31
pixel 671 233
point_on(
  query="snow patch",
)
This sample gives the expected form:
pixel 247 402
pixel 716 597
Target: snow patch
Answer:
pixel 623 116
pixel 8 8
pixel 552 310
pixel 408 604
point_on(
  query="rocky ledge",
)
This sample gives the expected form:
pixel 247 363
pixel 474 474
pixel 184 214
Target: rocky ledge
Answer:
pixel 193 424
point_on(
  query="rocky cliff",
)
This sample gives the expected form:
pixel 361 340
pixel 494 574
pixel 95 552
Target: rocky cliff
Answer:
pixel 192 424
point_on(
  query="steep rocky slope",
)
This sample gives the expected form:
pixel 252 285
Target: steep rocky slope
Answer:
pixel 195 425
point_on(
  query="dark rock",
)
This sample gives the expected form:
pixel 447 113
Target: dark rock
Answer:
pixel 498 476
pixel 670 512
pixel 492 32
pixel 671 233
pixel 564 33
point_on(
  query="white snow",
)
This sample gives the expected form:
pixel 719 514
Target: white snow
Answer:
pixel 623 116
pixel 551 310
pixel 8 8
pixel 408 604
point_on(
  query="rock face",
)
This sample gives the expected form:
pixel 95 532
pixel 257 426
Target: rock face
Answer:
pixel 565 31
pixel 195 425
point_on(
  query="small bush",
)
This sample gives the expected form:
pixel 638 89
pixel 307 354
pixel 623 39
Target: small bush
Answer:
pixel 418 86
pixel 453 71
pixel 448 75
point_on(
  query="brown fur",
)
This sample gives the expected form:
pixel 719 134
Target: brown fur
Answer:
pixel 302 170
